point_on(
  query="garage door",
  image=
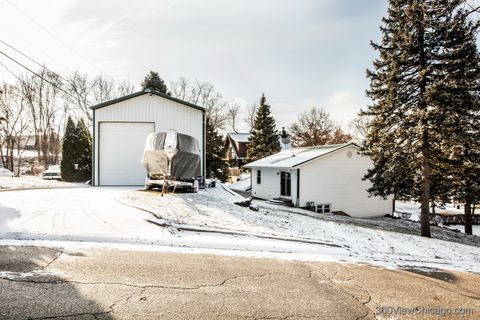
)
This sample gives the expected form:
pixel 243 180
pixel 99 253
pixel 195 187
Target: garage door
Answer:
pixel 120 153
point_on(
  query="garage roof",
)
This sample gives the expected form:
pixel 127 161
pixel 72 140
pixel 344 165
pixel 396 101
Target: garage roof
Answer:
pixel 146 91
pixel 297 156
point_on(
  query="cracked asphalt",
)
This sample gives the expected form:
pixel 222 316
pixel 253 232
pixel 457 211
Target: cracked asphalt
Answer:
pixel 47 283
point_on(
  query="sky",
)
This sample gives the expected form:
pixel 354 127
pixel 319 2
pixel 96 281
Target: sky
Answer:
pixel 299 53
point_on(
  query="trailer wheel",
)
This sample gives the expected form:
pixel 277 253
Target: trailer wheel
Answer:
pixel 148 187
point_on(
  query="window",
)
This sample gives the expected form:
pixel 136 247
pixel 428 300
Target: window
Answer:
pixel 259 176
pixel 324 208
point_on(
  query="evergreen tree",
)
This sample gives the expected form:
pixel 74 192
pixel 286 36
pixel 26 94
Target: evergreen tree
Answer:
pixel 69 152
pixel 458 67
pixel 263 140
pixel 154 82
pixel 83 152
pixel 406 138
pixel 216 166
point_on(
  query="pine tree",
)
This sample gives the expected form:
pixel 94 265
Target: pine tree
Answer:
pixel 263 139
pixel 216 166
pixel 405 138
pixel 458 67
pixel 154 82
pixel 69 152
pixel 83 152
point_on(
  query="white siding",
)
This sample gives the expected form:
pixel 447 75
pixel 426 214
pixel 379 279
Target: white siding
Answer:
pixel 336 179
pixel 166 114
pixel 270 186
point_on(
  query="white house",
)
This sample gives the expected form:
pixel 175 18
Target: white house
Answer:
pixel 121 126
pixel 329 177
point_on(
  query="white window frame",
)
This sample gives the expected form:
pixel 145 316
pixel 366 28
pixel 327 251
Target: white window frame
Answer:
pixel 321 208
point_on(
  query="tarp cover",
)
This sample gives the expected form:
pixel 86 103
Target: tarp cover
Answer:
pixel 156 164
pixel 184 163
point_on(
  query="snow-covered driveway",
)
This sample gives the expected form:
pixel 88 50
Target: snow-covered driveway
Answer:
pixel 79 214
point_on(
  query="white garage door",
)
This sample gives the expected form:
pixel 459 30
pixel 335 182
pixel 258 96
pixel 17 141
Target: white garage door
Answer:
pixel 120 153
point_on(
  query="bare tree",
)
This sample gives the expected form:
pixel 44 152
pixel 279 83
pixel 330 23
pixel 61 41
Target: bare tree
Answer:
pixel 359 128
pixel 85 92
pixel 315 127
pixel 124 88
pixel 232 114
pixel 250 116
pixel 15 129
pixel 79 88
pixel 202 94
pixel 41 94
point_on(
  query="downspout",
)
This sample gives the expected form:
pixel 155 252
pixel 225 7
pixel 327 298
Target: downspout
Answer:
pixel 204 153
pixel 94 151
pixel 298 188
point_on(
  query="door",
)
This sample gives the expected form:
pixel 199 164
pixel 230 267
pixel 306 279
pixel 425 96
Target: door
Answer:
pixel 285 184
pixel 121 146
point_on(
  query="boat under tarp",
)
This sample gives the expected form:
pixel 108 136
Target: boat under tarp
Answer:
pixel 172 156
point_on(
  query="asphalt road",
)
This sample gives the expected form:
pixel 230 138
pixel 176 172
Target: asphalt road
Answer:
pixel 45 283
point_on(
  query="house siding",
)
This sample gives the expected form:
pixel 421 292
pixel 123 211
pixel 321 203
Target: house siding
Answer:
pixel 270 186
pixel 336 179
pixel 166 115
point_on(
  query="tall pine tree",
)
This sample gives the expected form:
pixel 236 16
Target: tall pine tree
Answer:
pixel 458 68
pixel 69 152
pixel 407 139
pixel 216 166
pixel 263 139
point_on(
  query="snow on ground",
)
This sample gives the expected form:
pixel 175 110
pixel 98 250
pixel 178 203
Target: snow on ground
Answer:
pixel 30 182
pixel 242 185
pixel 411 211
pixel 460 227
pixel 366 240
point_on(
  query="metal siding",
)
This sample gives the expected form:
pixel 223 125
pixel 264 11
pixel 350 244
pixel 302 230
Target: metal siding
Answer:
pixel 166 114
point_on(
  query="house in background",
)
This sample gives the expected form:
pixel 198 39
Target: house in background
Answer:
pixel 236 155
pixel 121 127
pixel 326 178
pixel 236 145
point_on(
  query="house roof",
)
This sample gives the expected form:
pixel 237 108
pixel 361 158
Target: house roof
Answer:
pixel 141 93
pixel 297 156
pixel 239 137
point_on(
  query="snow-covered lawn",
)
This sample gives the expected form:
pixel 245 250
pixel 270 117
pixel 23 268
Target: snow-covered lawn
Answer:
pixel 32 182
pixel 411 211
pixel 475 228
pixel 384 241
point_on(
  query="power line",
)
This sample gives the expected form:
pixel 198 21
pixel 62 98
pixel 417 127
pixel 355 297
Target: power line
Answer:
pixel 37 63
pixel 11 72
pixel 36 74
pixel 56 38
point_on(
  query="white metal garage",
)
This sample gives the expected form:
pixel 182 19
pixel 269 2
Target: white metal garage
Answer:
pixel 120 128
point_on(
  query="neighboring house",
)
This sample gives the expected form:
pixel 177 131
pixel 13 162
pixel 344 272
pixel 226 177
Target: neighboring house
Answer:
pixel 236 154
pixel 328 177
pixel 121 126
pixel 28 142
pixel 236 145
